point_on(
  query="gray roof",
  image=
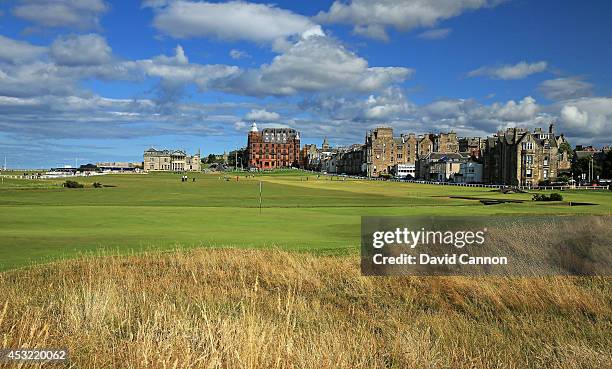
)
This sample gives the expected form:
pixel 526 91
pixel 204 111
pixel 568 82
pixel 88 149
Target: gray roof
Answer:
pixel 153 152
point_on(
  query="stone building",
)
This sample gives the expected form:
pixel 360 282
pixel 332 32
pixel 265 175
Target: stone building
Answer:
pixel 472 146
pixel 273 148
pixel 565 154
pixel 310 157
pixel 425 145
pixel 325 147
pixel 380 151
pixel 384 152
pixel 351 160
pixel 406 149
pixel 445 143
pixel 519 157
pixel 171 160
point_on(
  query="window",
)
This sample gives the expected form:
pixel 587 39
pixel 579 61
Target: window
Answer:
pixel 546 160
pixel 527 145
pixel 528 173
pixel 545 173
pixel 528 160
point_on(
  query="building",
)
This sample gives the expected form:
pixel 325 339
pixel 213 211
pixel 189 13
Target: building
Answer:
pixel 311 157
pixel 469 172
pixel 119 166
pixel 425 145
pixel 171 160
pixel 325 147
pixel 351 160
pixel 472 146
pixel 445 143
pixel 406 149
pixel 405 171
pixel 384 152
pixel 273 148
pixel 565 154
pixel 519 157
pixel 380 151
pixel 441 167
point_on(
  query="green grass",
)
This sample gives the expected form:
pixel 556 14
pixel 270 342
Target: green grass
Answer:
pixel 41 221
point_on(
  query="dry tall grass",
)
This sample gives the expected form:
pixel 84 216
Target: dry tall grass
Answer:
pixel 229 308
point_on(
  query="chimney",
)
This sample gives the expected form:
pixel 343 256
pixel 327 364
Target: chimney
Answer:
pixel 551 128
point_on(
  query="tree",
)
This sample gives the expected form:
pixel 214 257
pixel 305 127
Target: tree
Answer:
pixel 606 165
pixel 566 147
pixel 582 165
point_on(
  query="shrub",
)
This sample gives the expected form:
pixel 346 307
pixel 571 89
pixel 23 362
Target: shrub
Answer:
pixel 555 197
pixel 97 185
pixel 544 197
pixel 72 184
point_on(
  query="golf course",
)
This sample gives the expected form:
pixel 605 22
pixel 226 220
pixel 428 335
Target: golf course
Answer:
pixel 41 221
pixel 150 271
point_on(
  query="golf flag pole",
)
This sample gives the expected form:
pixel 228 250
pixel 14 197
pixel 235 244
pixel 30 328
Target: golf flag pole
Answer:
pixel 259 197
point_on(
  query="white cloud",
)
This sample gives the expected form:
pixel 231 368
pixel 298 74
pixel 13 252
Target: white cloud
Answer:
pixel 238 54
pixel 69 116
pixel 512 111
pixel 18 51
pixel 572 116
pixel 587 117
pixel 565 88
pixel 41 77
pixel 435 34
pixel 33 79
pixel 464 116
pixel 240 125
pixel 81 14
pixel 314 64
pixel 391 103
pixel 177 70
pixel 262 115
pixel 234 20
pixel 371 17
pixel 90 49
pixel 516 71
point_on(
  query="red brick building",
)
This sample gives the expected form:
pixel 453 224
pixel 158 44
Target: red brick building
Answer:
pixel 273 148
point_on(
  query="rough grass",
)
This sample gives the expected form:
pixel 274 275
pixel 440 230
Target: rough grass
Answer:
pixel 231 308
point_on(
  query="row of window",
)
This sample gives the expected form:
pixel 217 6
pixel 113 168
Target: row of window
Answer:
pixel 529 173
pixel 528 160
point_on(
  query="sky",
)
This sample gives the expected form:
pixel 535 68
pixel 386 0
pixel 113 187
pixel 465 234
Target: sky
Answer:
pixel 96 80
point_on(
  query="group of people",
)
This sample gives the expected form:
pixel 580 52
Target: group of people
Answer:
pixel 185 179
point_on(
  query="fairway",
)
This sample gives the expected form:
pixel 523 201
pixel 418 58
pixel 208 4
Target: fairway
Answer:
pixel 41 221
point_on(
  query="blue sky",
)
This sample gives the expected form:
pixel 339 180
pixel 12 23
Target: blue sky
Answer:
pixel 103 80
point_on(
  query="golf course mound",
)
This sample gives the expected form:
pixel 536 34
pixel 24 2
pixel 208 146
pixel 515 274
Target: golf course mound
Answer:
pixel 248 308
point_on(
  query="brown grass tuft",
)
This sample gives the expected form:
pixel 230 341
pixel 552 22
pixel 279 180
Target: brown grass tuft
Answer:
pixel 229 308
